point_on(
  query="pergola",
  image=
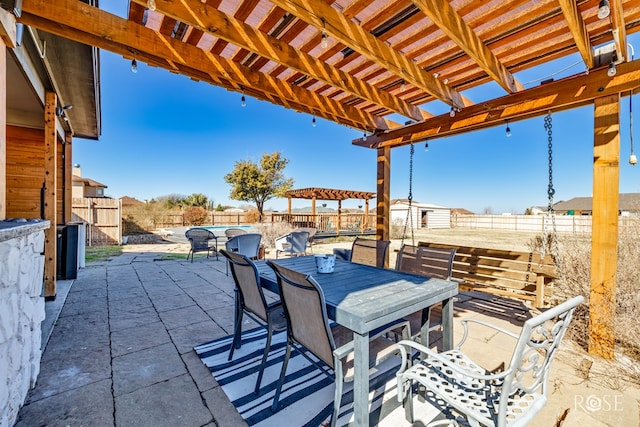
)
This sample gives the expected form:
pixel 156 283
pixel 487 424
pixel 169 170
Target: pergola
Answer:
pixel 358 62
pixel 314 194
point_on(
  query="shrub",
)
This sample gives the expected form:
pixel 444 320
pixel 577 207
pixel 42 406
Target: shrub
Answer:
pixel 253 216
pixel 196 215
pixel 575 269
pixel 271 231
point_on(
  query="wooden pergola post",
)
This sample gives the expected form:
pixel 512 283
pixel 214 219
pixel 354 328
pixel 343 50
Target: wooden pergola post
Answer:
pixel 50 182
pixel 7 39
pixel 604 234
pixel 383 186
pixel 67 180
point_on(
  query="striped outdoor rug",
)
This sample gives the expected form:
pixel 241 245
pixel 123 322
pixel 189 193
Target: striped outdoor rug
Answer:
pixel 307 395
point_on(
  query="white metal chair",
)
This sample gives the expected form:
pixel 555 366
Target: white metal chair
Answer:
pixel 247 244
pixel 511 397
pixel 308 328
pixel 199 239
pixel 250 299
pixel 294 243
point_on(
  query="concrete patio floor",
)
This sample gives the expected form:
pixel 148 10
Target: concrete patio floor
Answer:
pixel 121 350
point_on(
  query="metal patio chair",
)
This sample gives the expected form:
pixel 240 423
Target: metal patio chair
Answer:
pixel 369 251
pixel 294 243
pixel 250 299
pixel 511 397
pixel 247 244
pixel 308 328
pixel 199 239
pixel 430 262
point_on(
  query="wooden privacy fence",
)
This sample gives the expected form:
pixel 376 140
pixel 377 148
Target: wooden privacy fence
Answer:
pixel 102 218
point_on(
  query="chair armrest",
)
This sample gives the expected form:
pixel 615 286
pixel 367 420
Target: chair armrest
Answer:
pixel 406 361
pixel 464 323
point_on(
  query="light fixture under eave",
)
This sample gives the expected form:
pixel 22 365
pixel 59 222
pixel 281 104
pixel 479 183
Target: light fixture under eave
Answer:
pixel 134 66
pixel 603 9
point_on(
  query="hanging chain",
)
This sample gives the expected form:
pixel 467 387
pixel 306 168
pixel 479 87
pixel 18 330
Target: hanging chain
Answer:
pixel 409 198
pixel 550 193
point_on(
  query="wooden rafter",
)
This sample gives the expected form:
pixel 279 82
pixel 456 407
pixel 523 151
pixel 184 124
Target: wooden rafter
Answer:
pixel 226 27
pixel 578 30
pixel 453 25
pixel 86 24
pixel 327 18
pixel 560 95
pixel 618 29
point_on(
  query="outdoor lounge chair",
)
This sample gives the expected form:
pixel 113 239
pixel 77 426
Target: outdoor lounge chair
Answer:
pixel 425 261
pixel 365 251
pixel 510 397
pixel 247 244
pixel 199 239
pixel 250 299
pixel 308 328
pixel 294 243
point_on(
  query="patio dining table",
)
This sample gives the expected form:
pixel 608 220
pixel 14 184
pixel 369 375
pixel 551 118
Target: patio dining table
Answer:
pixel 363 298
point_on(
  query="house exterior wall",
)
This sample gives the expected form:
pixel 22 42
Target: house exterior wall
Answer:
pixel 26 171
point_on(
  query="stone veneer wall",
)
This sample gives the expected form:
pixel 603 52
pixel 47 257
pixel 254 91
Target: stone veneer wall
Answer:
pixel 21 313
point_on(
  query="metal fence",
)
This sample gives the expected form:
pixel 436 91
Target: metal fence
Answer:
pixel 536 223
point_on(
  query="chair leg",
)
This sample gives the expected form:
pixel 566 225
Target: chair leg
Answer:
pixel 408 403
pixel 237 331
pixel 283 372
pixel 264 358
pixel 337 399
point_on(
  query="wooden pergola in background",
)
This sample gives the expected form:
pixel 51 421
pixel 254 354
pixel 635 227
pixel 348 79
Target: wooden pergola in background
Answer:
pixel 314 194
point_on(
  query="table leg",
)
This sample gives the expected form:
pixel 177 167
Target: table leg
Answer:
pixel 447 324
pixel 361 379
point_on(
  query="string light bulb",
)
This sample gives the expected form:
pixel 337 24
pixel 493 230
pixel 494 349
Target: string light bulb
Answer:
pixel 134 66
pixel 151 4
pixel 426 146
pixel 452 113
pixel 364 136
pixel 603 9
pixel 508 131
pixel 325 37
pixel 403 86
pixel 243 101
pixel 313 121
pixel 612 69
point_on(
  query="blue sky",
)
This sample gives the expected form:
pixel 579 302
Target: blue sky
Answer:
pixel 163 133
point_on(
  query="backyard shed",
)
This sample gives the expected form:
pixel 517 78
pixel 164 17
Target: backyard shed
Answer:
pixel 422 215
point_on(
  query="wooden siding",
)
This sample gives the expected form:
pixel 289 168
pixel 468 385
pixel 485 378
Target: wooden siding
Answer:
pixel 26 171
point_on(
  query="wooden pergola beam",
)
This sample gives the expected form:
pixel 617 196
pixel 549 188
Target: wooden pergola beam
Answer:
pixel 210 20
pixel 448 20
pixel 325 17
pixel 578 30
pixel 78 21
pixel 560 95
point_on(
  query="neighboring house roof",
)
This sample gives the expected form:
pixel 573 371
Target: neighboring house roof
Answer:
pixel 627 202
pixel 88 182
pixel 461 211
pixel 130 201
